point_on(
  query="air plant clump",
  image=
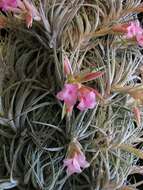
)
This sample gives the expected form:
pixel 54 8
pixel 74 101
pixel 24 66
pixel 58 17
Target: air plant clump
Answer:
pixel 71 84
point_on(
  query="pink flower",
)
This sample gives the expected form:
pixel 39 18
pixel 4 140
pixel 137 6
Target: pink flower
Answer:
pixel 131 30
pixel 75 164
pixel 139 39
pixel 74 90
pixel 134 29
pixel 87 99
pixel 69 94
pixel 7 5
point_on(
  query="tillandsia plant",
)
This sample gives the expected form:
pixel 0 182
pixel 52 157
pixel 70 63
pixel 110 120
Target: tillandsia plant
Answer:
pixel 71 94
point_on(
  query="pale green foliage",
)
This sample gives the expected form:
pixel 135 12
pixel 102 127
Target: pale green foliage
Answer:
pixel 33 137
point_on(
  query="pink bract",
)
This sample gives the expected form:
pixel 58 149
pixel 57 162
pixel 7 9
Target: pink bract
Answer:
pixel 75 164
pixel 87 99
pixel 69 94
pixel 7 5
pixel 67 66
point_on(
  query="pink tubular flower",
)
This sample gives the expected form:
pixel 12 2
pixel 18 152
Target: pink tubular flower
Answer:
pixel 74 90
pixel 75 164
pixel 69 94
pixel 131 30
pixel 76 160
pixel 134 29
pixel 139 39
pixel 87 99
pixel 7 5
